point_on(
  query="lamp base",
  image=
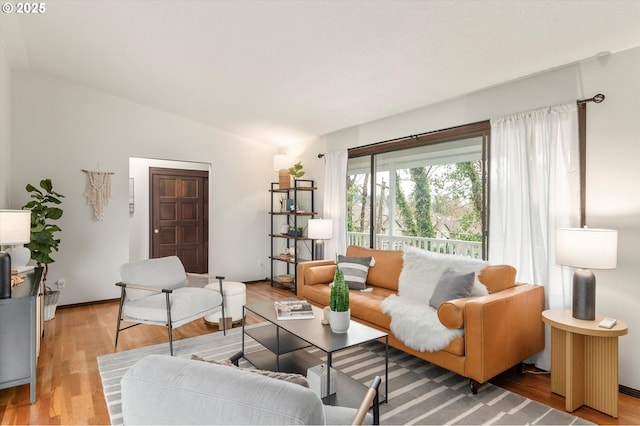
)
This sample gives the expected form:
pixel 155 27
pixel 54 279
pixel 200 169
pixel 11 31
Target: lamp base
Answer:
pixel 5 276
pixel 319 250
pixel 20 256
pixel 584 295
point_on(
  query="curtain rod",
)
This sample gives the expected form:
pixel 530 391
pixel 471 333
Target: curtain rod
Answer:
pixel 596 99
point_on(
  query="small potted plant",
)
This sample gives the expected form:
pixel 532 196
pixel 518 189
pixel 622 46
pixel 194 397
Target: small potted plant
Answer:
pixel 296 171
pixel 295 232
pixel 285 175
pixel 340 314
pixel 43 242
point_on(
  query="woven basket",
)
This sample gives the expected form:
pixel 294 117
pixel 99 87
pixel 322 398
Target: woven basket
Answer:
pixel 286 278
pixel 50 303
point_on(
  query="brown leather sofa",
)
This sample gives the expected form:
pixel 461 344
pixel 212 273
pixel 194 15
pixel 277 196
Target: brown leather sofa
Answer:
pixel 500 330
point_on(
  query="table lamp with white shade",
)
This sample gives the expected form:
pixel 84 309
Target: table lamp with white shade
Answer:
pixel 15 231
pixel 586 248
pixel 320 230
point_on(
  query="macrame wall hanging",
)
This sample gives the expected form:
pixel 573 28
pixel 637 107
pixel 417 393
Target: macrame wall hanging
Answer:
pixel 98 191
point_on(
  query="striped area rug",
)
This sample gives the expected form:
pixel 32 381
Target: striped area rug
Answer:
pixel 419 392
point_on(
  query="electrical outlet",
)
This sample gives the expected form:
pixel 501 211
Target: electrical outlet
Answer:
pixel 61 283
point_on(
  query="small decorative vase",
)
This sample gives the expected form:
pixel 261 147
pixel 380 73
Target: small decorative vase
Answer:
pixel 339 321
pixel 326 312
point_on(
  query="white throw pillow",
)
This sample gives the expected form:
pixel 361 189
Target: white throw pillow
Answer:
pixel 421 271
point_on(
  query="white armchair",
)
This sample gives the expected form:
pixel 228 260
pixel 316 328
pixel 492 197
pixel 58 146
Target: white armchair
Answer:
pixel 155 291
pixel 159 389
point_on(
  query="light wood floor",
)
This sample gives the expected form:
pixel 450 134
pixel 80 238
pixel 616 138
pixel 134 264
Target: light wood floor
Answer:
pixel 69 390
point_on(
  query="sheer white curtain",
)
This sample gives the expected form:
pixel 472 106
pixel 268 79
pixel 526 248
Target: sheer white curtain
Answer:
pixel 534 189
pixel 335 202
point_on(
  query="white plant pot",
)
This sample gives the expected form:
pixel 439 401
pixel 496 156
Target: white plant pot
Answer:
pixel 340 321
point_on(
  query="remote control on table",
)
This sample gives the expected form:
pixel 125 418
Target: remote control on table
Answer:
pixel 607 323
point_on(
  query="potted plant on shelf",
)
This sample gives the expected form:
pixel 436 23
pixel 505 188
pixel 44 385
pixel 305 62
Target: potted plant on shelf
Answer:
pixel 285 175
pixel 295 232
pixel 296 171
pixel 43 241
pixel 340 315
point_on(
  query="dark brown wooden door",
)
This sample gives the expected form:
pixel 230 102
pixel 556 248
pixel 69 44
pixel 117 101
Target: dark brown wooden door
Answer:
pixel 179 216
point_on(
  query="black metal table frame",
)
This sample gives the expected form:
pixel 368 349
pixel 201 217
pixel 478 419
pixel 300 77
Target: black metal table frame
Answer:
pixel 328 353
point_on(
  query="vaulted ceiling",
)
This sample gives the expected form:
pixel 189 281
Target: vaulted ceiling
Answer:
pixel 282 71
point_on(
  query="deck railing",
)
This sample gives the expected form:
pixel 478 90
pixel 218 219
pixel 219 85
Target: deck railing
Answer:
pixel 438 245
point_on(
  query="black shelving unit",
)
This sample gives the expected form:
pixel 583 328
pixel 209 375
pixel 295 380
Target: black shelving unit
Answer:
pixel 302 191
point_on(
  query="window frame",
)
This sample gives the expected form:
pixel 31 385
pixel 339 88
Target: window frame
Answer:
pixel 479 129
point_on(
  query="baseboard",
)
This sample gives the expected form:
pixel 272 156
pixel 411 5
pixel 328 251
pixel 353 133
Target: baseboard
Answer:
pixel 95 302
pixel 255 281
pixel 629 391
pixel 530 368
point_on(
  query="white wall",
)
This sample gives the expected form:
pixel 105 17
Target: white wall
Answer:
pixel 5 128
pixel 613 162
pixel 60 128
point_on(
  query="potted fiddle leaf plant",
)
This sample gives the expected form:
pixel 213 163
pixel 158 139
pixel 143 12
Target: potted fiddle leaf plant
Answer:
pixel 44 210
pixel 296 171
pixel 340 313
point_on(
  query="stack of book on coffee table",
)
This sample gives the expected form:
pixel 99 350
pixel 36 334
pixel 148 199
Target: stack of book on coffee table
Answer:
pixel 293 309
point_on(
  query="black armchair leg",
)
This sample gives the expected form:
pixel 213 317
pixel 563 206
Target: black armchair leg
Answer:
pixel 376 405
pixel 233 359
pixel 122 296
pixel 371 399
pixel 224 322
pixel 169 325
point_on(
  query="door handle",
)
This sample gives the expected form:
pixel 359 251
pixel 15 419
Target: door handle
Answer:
pixel 156 231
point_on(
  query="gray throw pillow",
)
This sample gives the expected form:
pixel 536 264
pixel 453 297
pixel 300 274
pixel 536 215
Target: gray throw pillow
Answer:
pixel 355 271
pixel 298 379
pixel 452 285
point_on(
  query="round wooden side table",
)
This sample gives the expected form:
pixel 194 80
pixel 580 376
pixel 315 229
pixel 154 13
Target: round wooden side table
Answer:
pixel 584 361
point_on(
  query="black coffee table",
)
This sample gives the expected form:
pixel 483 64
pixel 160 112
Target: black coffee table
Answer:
pixel 285 341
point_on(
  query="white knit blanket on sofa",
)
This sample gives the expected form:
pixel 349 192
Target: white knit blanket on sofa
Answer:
pixel 413 320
